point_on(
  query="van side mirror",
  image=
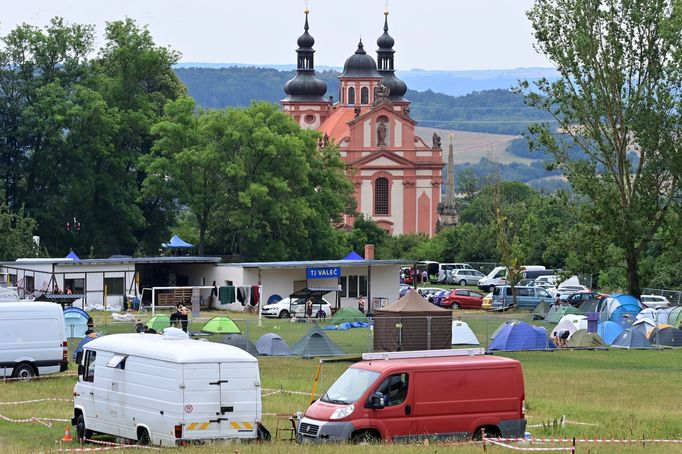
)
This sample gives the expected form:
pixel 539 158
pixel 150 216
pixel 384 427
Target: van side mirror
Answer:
pixel 377 401
pixel 81 370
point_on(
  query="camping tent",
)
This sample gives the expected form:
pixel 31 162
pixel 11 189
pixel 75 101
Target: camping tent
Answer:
pixel 669 337
pixel 221 325
pixel 556 313
pixel 271 344
pixel 583 339
pixel 239 341
pixel 177 243
pixel 611 303
pixel 315 343
pixel 644 326
pixel 159 322
pixel 590 306
pixel 656 315
pixel 572 323
pixel 76 321
pixel 412 323
pixel 462 334
pixel 501 327
pixel 608 331
pixel 72 255
pixel 625 314
pixel 674 316
pixel 540 311
pixel 521 336
pixel 348 314
pixel 631 338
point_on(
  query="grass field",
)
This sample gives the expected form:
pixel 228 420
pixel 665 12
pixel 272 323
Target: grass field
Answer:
pixel 615 394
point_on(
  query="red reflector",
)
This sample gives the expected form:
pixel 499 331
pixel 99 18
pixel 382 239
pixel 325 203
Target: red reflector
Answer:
pixel 178 431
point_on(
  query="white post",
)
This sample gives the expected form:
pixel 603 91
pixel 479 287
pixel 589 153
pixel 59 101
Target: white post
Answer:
pixel 153 300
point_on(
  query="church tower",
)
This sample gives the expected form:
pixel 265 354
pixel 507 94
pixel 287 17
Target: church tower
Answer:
pixel 397 88
pixel 305 100
pixel 359 79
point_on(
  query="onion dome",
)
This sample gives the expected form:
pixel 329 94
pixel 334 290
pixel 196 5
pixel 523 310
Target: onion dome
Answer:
pixel 397 87
pixel 360 65
pixel 305 86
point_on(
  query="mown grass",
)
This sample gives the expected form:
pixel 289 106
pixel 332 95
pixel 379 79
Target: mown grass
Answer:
pixel 623 394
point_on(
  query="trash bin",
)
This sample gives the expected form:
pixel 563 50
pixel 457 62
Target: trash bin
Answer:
pixel 592 321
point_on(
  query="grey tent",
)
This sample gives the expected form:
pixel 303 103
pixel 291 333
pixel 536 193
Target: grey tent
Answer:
pixel 592 305
pixel 271 344
pixel 669 337
pixel 412 323
pixel 239 341
pixel 540 310
pixel 584 339
pixel 315 343
pixel 631 338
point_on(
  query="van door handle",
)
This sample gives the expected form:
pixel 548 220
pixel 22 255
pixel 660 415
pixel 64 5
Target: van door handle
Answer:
pixel 91 393
pixel 217 382
pixel 408 409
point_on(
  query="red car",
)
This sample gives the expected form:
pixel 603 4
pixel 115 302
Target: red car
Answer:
pixel 462 299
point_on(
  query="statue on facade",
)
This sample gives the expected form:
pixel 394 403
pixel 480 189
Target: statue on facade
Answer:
pixel 436 141
pixel 325 139
pixel 381 133
pixel 357 111
pixel 381 93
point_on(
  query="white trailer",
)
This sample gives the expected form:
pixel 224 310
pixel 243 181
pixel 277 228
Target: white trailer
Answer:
pixel 165 391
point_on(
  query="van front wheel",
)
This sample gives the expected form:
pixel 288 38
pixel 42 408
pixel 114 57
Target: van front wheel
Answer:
pixel 81 432
pixel 365 437
pixel 24 372
pixel 143 438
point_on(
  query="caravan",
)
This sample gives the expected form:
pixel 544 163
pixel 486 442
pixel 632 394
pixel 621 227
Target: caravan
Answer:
pixel 498 276
pixel 167 391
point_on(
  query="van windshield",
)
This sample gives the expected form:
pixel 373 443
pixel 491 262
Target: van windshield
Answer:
pixel 350 386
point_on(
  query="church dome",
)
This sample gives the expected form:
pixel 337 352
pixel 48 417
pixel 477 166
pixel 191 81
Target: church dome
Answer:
pixel 385 41
pixel 397 87
pixel 306 41
pixel 305 85
pixel 360 64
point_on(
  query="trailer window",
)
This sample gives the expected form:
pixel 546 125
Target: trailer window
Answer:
pixel 394 388
pixel 89 374
pixel 117 362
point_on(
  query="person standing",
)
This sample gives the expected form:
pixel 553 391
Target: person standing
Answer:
pixel 361 304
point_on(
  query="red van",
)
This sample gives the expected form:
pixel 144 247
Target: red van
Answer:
pixel 407 396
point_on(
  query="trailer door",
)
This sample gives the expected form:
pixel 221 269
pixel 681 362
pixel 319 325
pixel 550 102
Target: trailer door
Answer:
pixel 201 401
pixel 240 400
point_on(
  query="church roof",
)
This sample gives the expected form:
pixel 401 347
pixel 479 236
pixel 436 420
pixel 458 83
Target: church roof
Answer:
pixel 360 65
pixel 336 125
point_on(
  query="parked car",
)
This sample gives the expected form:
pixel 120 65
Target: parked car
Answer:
pixel 576 299
pixel 462 299
pixel 655 301
pixel 285 308
pixel 464 277
pixel 567 290
pixel 487 302
pixel 526 297
pixel 429 291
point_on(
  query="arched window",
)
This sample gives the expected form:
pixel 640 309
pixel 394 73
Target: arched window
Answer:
pixel 351 95
pixel 364 95
pixel 381 196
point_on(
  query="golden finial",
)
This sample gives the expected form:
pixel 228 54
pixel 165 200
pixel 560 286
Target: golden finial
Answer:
pixel 386 9
pixel 306 10
pixel 451 136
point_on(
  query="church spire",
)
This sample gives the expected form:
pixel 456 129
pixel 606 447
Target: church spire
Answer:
pixel 386 65
pixel 305 85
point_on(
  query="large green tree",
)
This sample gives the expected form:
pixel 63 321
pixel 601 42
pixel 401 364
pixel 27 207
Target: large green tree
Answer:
pixel 618 101
pixel 16 234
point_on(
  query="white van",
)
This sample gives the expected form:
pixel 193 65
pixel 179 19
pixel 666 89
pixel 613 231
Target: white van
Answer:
pixel 167 391
pixel 32 339
pixel 498 276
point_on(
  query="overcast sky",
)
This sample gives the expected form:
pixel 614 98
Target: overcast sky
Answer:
pixel 429 34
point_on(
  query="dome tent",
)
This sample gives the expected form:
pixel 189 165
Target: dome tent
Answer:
pixel 608 331
pixel 668 337
pixel 348 314
pixel 462 334
pixel 158 322
pixel 501 327
pixel 674 316
pixel 239 341
pixel 631 339
pixel 584 339
pixel 221 325
pixel 76 322
pixel 540 311
pixel 412 323
pixel 644 326
pixel 572 323
pixel 613 302
pixel 521 336
pixel 315 343
pixel 556 313
pixel 271 344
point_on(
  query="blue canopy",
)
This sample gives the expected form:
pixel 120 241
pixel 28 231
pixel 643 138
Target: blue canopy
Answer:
pixel 72 255
pixel 353 256
pixel 521 336
pixel 176 242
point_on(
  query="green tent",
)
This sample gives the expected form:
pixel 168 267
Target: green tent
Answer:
pixel 556 312
pixel 675 316
pixel 540 310
pixel 315 343
pixel 221 325
pixel 348 314
pixel 584 339
pixel 159 322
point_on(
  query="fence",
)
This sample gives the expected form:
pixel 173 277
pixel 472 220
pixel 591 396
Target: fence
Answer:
pixel 674 296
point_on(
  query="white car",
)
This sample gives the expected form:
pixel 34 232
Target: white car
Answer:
pixel 286 308
pixel 655 301
pixel 567 290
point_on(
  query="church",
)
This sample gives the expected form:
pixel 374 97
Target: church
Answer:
pixel 397 175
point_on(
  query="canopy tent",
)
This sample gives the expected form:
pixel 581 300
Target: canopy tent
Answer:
pixel 353 256
pixel 540 311
pixel 177 243
pixel 584 339
pixel 239 341
pixel 76 321
pixel 674 316
pixel 555 313
pixel 221 325
pixel 315 343
pixel 631 339
pixel 643 326
pixel 608 331
pixel 572 323
pixel 158 322
pixel 412 323
pixel 271 344
pixel 668 337
pixel 501 327
pixel 72 255
pixel 462 334
pixel 348 314
pixel 521 336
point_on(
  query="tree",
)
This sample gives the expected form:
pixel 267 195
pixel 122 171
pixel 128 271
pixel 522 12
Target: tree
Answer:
pixel 16 234
pixel 619 92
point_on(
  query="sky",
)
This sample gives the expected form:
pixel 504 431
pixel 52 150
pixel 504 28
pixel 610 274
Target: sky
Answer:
pixel 429 34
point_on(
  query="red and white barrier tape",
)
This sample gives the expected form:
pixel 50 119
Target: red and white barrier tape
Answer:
pixel 35 419
pixel 121 445
pixel 273 391
pixel 520 448
pixel 57 399
pixel 582 440
pixel 530 426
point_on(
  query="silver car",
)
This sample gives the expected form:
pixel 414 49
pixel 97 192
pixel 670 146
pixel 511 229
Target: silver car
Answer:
pixel 464 277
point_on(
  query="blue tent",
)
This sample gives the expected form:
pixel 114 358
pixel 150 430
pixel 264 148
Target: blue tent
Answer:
pixel 521 336
pixel 353 256
pixel 76 321
pixel 609 331
pixel 625 315
pixel 176 242
pixel 72 255
pixel 631 338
